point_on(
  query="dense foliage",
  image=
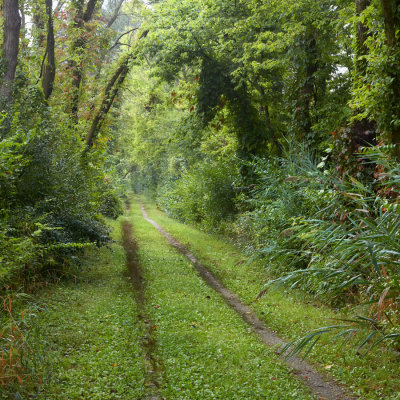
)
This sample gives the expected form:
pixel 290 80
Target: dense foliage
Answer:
pixel 54 185
pixel 277 123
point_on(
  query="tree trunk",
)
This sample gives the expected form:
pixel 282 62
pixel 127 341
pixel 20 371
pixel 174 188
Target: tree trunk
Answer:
pixel 49 70
pixel 268 123
pixel 392 24
pixel 389 12
pixel 361 37
pixel 39 22
pixel 79 46
pixel 110 93
pixel 12 26
pixel 306 91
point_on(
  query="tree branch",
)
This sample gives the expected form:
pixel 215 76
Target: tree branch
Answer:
pixel 59 6
pixel 120 36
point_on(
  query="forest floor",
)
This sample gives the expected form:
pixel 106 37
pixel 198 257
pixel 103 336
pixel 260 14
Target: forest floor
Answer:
pixel 149 320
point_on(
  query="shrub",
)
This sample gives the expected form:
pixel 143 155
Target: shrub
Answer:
pixel 203 195
pixel 110 205
pixel 285 191
pixel 50 194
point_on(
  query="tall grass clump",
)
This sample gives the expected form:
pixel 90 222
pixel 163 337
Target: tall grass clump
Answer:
pixel 336 237
pixel 284 191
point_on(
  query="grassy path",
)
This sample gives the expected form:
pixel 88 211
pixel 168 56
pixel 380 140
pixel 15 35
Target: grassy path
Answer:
pixel 155 330
pixel 373 376
pixel 207 351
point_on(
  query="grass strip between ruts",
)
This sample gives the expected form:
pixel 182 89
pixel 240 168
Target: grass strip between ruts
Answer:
pixel 207 351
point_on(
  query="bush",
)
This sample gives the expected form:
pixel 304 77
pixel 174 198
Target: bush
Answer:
pixel 110 205
pixel 203 195
pixel 50 194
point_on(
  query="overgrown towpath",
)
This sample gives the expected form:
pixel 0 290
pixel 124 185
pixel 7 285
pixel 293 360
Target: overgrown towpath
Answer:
pixel 207 350
pixel 149 320
pixel 142 325
pixel 322 387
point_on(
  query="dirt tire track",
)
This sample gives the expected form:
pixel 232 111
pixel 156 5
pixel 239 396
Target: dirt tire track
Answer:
pixel 323 387
pixel 153 365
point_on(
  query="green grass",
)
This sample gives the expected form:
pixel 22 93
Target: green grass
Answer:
pixel 90 334
pixel 289 313
pixel 206 350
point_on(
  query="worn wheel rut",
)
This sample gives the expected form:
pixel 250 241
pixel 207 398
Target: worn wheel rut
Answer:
pixel 324 388
pixel 152 365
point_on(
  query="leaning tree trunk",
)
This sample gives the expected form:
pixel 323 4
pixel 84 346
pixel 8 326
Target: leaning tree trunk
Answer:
pixel 110 94
pixel 12 26
pixel 115 14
